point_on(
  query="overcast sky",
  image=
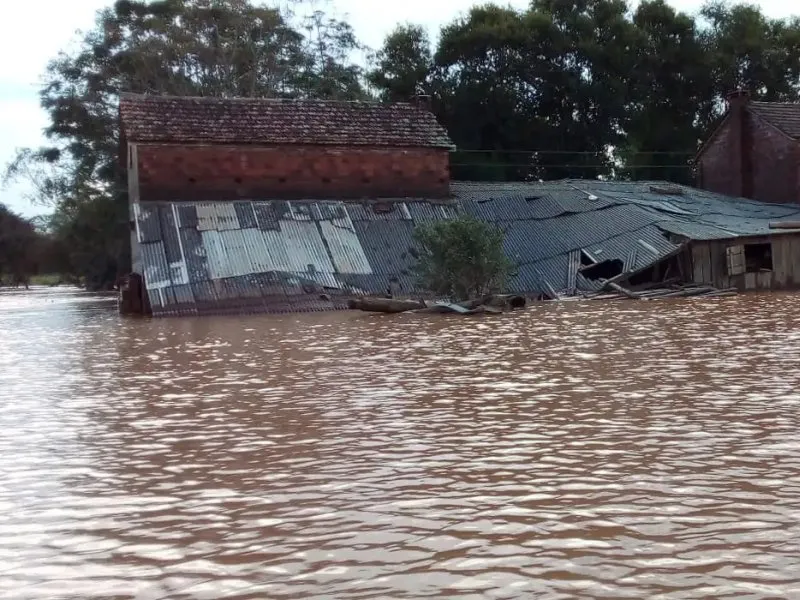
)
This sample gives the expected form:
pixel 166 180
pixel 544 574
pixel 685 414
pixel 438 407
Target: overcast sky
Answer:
pixel 35 30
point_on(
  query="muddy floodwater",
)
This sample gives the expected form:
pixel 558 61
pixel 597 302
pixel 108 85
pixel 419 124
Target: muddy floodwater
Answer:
pixel 582 450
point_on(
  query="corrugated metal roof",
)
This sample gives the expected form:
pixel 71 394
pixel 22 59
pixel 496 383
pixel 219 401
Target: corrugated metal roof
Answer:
pixel 281 256
pixel 387 245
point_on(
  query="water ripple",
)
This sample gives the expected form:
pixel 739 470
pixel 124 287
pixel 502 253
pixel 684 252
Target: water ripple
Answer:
pixel 598 450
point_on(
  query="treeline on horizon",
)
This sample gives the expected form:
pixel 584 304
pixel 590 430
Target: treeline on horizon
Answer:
pixel 564 88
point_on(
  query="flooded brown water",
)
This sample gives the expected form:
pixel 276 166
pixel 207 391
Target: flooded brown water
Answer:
pixel 592 450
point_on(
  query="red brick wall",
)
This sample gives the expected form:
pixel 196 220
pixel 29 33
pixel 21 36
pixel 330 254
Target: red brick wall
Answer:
pixel 768 170
pixel 775 164
pixel 172 172
pixel 716 170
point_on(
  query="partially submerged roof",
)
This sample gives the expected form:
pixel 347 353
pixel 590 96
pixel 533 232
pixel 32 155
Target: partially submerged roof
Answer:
pixel 172 119
pixel 782 115
pixel 272 255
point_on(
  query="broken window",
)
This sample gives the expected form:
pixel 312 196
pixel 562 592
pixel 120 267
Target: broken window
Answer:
pixel 758 257
pixel 603 270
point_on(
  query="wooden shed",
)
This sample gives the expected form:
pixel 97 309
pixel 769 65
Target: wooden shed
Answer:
pixel 767 262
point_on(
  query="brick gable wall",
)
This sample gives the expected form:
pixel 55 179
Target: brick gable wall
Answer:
pixel 208 173
pixel 776 164
pixel 757 161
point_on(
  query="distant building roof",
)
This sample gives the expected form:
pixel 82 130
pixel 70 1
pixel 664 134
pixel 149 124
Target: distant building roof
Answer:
pixel 783 115
pixel 274 255
pixel 277 121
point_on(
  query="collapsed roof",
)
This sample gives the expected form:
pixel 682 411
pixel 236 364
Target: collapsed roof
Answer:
pixel 272 255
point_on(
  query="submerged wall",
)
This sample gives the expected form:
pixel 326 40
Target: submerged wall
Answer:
pixel 750 263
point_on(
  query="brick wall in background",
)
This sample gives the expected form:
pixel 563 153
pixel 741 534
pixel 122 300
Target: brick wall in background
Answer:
pixel 768 168
pixel 207 173
pixel 718 170
pixel 776 164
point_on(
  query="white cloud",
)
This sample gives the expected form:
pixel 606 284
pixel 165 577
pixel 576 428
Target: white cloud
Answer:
pixel 55 23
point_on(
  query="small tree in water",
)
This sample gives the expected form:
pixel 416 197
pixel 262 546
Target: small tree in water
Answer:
pixel 462 258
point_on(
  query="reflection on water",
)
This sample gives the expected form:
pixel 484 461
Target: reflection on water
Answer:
pixel 581 450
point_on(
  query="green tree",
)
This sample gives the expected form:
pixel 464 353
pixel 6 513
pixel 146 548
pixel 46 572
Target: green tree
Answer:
pixel 672 94
pixel 587 88
pixel 20 248
pixel 182 47
pixel 750 51
pixel 403 65
pixel 462 258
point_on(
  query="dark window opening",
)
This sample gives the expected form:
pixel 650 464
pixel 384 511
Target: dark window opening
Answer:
pixel 382 207
pixel 649 275
pixel 662 273
pixel 757 257
pixel 587 260
pixel 603 270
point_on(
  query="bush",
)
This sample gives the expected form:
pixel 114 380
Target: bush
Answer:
pixel 461 259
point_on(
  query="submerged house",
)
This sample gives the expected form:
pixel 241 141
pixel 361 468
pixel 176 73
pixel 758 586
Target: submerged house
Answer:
pixel 284 205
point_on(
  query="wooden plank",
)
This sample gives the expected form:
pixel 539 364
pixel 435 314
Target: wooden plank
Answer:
pixel 750 281
pixel 784 225
pixel 735 260
pixel 719 266
pixel 793 259
pixel 618 288
pixel 781 254
pixel 697 263
pixel 702 266
pixel 764 280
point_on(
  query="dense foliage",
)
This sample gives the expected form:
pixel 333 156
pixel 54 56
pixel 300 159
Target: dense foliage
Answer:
pixel 564 88
pixel 461 259
pixel 185 47
pixel 587 88
pixel 25 250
